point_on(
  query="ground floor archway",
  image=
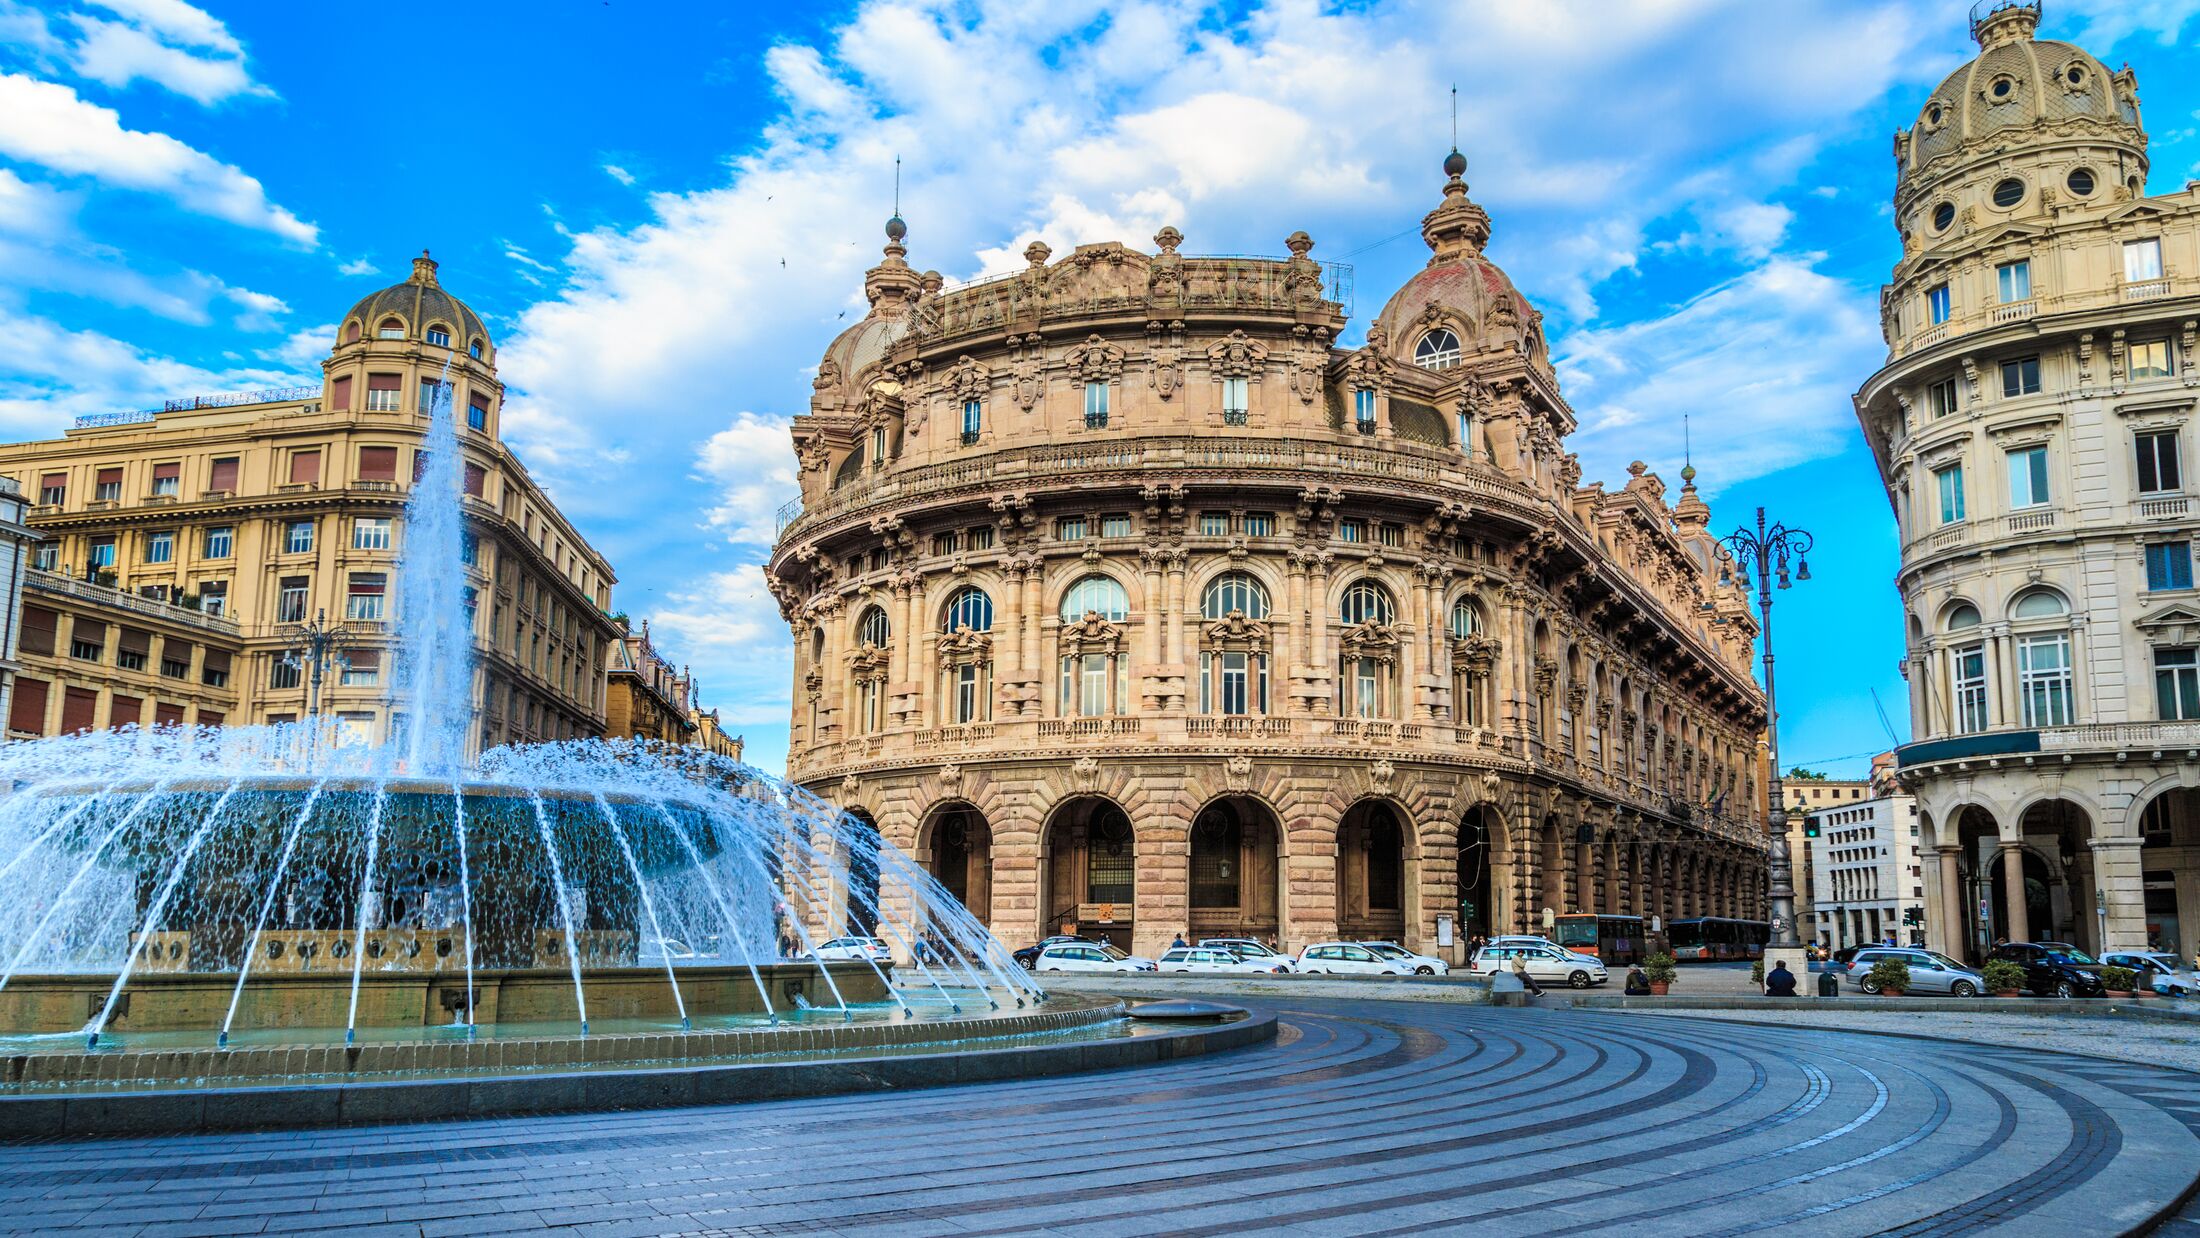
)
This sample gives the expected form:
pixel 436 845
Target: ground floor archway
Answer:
pixel 956 847
pixel 1371 873
pixel 1236 861
pixel 1090 861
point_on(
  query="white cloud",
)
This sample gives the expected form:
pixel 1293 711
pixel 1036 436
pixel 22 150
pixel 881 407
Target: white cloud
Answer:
pixel 177 22
pixel 47 124
pixel 728 627
pixel 304 350
pixel 751 467
pixel 48 374
pixel 260 309
pixel 117 53
pixel 619 174
pixel 32 210
pixel 357 266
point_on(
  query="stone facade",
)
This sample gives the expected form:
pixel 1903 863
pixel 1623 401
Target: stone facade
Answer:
pixel 213 525
pixel 1128 601
pixel 648 698
pixel 2033 426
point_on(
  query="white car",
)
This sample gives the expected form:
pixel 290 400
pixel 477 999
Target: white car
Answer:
pixel 1216 961
pixel 1084 956
pixel 1247 948
pixel 2171 977
pixel 1421 964
pixel 1547 943
pixel 1544 962
pixel 856 948
pixel 1347 958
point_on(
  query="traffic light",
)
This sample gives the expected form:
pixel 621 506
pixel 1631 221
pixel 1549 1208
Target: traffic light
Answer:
pixel 1810 827
pixel 1913 915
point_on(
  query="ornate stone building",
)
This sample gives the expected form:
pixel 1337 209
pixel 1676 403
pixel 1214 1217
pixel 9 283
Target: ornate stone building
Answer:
pixel 2030 426
pixel 182 544
pixel 1126 600
pixel 648 698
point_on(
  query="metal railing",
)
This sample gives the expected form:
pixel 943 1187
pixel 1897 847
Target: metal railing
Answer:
pixel 231 399
pixel 58 585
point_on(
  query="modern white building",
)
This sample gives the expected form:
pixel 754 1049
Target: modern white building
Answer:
pixel 1868 870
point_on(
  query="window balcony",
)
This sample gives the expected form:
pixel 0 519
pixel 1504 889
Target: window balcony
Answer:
pixel 2163 506
pixel 2016 311
pixel 2032 521
pixel 2155 739
pixel 1236 726
pixel 2146 290
pixel 1089 728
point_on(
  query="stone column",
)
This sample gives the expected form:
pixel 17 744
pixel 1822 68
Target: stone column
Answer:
pixel 1950 911
pixel 2119 891
pixel 1156 608
pixel 2012 881
pixel 2001 678
pixel 1317 634
pixel 1034 609
pixel 1010 665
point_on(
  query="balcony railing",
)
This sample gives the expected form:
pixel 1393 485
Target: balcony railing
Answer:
pixel 55 584
pixel 2023 741
pixel 1236 726
pixel 2031 522
pixel 232 399
pixel 2164 507
pixel 1089 728
pixel 2016 311
pixel 2146 290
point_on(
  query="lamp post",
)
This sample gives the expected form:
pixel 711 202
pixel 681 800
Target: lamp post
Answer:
pixel 1768 550
pixel 313 645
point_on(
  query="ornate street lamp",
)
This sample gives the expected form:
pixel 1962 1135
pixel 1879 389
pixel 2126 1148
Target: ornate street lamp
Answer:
pixel 1769 550
pixel 312 646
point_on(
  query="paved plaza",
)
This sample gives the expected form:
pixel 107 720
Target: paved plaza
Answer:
pixel 1366 1117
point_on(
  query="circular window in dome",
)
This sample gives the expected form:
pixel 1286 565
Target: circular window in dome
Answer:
pixel 2009 193
pixel 1933 115
pixel 2075 75
pixel 1438 350
pixel 2081 182
pixel 2002 87
pixel 1943 215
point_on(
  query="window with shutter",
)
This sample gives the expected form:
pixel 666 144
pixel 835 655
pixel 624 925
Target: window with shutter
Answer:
pixel 223 476
pixel 53 489
pixel 167 478
pixel 305 468
pixel 39 624
pixel 79 710
pixel 27 711
pixel 109 485
pixel 476 480
pixel 339 395
pixel 383 392
pixel 378 464
pixel 124 710
pixel 165 714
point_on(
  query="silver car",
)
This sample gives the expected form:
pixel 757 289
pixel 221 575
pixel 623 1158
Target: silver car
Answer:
pixel 1930 971
pixel 2171 977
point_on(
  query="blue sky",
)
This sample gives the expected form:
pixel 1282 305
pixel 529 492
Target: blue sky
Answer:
pixel 664 210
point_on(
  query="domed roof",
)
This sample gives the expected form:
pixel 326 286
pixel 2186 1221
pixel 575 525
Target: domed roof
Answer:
pixel 1460 290
pixel 2017 82
pixel 420 302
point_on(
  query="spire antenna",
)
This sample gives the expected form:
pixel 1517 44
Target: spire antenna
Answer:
pixel 1455 116
pixel 1688 456
pixel 897 184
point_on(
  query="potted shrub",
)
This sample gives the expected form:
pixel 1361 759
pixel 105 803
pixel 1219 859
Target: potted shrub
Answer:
pixel 1662 971
pixel 2003 978
pixel 1757 973
pixel 2118 980
pixel 1888 976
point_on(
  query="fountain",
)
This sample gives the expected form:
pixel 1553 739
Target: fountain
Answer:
pixel 215 898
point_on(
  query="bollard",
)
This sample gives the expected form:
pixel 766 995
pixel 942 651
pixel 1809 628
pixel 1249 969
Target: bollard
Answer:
pixel 1829 984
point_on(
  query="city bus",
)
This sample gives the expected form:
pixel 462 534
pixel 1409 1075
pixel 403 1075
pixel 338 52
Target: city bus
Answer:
pixel 1618 940
pixel 1716 937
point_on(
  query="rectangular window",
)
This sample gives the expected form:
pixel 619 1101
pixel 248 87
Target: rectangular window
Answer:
pixel 477 412
pixel 1940 398
pixel 175 658
pixel 282 672
pixel 973 420
pixel 1363 410
pixel 47 557
pixel 339 395
pixel 2150 359
pixel 2142 260
pixel 1214 524
pixel 384 392
pixel 2028 477
pixel 1070 528
pixel 1391 534
pixel 378 464
pixel 222 476
pixel 363 598
pixel 1970 689
pixel 2177 684
pixel 967 697
pixel 219 543
pixel 133 647
pixel 160 547
pixel 1236 405
pixel 214 597
pixel 370 533
pixel 1115 526
pixel 2169 566
pixel 53 489
pixel 1351 531
pixel 290 600
pixel 2015 279
pixel 477 480
pixel 1937 305
pixel 2020 377
pixel 2043 677
pixel 1096 406
pixel 1260 524
pixel 167 480
pixel 107 486
pixel 298 537
pixel 88 640
pixel 1950 482
pixel 305 468
pixel 945 543
pixel 103 552
pixel 363 668
pixel 432 394
pixel 2158 463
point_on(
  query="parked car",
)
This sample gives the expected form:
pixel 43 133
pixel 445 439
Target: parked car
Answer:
pixel 1215 961
pixel 2054 968
pixel 1930 971
pixel 1544 962
pixel 1084 956
pixel 1516 939
pixel 1029 955
pixel 1422 964
pixel 856 948
pixel 1247 948
pixel 1346 958
pixel 2171 977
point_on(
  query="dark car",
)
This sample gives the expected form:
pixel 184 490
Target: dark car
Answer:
pixel 2054 968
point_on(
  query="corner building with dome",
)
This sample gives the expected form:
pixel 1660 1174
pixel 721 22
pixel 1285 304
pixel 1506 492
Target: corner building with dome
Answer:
pixel 2032 426
pixel 1129 603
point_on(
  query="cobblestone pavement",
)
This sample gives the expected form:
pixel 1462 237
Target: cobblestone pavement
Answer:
pixel 1367 1117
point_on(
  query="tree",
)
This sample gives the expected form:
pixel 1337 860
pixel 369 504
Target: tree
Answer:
pixel 1799 774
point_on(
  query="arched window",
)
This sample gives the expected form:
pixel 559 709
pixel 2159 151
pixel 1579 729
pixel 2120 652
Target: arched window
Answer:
pixel 391 329
pixel 1097 595
pixel 970 610
pixel 1095 670
pixel 1437 350
pixel 1471 662
pixel 439 335
pixel 874 629
pixel 474 349
pixel 1463 621
pixel 1967 672
pixel 2039 604
pixel 966 656
pixel 2045 678
pixel 1234 591
pixel 351 331
pixel 1366 602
